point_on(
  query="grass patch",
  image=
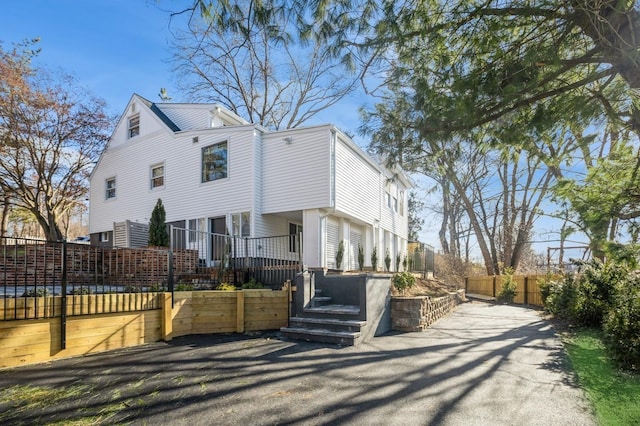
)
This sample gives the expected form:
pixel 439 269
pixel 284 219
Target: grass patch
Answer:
pixel 19 400
pixel 614 394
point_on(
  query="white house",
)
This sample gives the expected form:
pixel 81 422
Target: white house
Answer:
pixel 216 172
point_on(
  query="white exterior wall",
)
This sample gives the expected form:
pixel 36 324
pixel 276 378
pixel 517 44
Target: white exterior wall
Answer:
pixel 183 195
pixel 357 184
pixel 150 125
pixel 311 176
pixel 296 175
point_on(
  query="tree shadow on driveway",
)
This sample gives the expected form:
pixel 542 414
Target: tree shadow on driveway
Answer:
pixel 484 364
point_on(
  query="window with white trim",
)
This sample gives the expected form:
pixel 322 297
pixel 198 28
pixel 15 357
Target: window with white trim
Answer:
pixel 214 162
pixel 104 237
pixel 241 224
pixel 133 128
pixel 197 229
pixel 401 203
pixel 110 188
pixel 157 176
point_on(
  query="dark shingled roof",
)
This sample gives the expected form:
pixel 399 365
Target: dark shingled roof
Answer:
pixel 161 115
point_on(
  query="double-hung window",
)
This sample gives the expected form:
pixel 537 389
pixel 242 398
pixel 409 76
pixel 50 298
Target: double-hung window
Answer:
pixel 214 162
pixel 134 126
pixel 110 188
pixel 157 176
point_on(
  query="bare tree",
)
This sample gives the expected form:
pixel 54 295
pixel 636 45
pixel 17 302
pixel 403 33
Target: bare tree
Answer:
pixel 250 63
pixel 51 133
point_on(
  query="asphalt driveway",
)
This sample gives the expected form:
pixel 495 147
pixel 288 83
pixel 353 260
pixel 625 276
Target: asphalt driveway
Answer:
pixel 485 364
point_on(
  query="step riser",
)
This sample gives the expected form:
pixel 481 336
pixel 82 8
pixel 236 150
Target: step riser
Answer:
pixel 336 340
pixel 325 315
pixel 326 326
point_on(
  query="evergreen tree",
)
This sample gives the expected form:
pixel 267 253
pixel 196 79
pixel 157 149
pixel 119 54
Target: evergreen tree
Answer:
pixel 158 235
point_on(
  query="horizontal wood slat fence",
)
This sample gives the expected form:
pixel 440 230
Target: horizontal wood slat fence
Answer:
pixel 29 341
pixel 527 290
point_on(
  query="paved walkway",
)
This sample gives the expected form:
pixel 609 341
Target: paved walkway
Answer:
pixel 485 364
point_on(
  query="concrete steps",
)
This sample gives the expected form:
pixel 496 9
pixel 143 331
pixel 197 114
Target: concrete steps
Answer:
pixel 324 322
pixel 322 335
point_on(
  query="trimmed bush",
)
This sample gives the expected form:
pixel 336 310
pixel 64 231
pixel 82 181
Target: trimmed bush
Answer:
pixel 508 291
pixel 403 281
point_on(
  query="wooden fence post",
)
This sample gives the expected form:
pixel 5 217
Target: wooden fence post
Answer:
pixel 240 311
pixel 494 286
pixel 167 314
pixel 526 289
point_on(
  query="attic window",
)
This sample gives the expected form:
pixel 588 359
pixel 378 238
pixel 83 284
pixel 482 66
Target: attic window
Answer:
pixel 134 126
pixel 110 186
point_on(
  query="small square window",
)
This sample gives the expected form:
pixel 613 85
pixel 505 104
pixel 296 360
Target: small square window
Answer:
pixel 157 176
pixel 104 237
pixel 110 185
pixel 134 126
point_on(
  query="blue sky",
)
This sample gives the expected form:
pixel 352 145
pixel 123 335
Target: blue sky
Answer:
pixel 112 47
pixel 115 48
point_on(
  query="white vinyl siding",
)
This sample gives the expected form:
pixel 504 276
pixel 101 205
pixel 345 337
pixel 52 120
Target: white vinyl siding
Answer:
pixel 357 184
pixel 188 196
pixel 355 240
pixel 333 239
pixel 296 175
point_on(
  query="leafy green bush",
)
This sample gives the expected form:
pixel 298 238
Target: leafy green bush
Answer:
pixel 40 292
pixel 184 287
pixel 560 299
pixel 252 284
pixel 360 257
pixel 374 258
pixel 508 290
pixel 226 287
pixel 584 298
pixel 403 281
pixel 339 254
pixel 546 285
pixel 387 260
pixel 156 287
pixel 622 323
pixel 595 291
pixel 82 290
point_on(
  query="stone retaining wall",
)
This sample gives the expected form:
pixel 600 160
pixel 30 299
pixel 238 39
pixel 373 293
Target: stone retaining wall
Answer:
pixel 418 313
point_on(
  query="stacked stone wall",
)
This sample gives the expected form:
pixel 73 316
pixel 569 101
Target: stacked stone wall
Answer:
pixel 418 313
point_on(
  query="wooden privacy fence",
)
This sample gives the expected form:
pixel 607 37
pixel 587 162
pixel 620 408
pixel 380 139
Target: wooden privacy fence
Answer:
pixel 527 290
pixel 29 341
